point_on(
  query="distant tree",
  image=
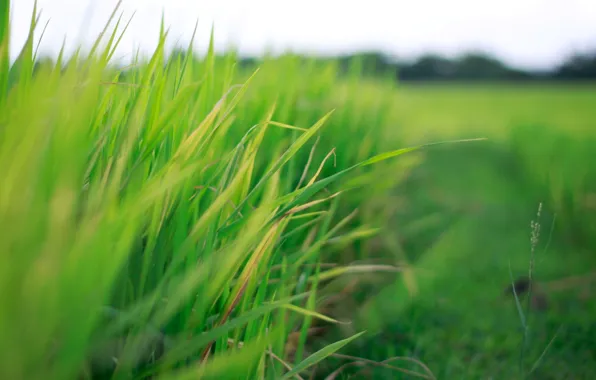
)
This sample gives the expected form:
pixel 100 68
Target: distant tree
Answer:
pixel 471 66
pixel 427 67
pixel 479 66
pixel 577 67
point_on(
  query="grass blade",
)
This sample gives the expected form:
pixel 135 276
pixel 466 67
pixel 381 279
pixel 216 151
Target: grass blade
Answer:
pixel 321 355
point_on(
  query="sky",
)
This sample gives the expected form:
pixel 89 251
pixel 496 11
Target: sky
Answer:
pixel 525 33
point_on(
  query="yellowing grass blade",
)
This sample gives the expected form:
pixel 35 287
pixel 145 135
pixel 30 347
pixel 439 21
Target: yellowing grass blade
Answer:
pixel 312 313
pixel 286 126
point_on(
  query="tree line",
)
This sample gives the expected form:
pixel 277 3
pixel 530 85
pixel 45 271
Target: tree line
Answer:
pixel 472 66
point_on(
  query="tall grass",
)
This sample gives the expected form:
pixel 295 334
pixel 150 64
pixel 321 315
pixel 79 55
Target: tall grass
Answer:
pixel 171 219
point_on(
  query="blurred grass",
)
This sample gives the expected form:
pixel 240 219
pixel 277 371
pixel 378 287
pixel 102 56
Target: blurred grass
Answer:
pixel 187 214
pixel 467 219
pixel 165 220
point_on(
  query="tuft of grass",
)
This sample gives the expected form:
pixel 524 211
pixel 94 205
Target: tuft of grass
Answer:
pixel 171 218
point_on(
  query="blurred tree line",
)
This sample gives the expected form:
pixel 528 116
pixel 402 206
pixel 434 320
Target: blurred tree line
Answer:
pixel 472 66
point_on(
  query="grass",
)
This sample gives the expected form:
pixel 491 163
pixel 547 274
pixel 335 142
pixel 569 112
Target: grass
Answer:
pixel 189 218
pixel 166 221
pixel 468 219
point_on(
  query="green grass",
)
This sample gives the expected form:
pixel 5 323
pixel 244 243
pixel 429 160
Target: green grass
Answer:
pixel 465 222
pixel 187 218
pixel 167 221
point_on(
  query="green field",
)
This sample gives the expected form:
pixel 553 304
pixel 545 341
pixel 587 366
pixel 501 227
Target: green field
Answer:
pixel 187 218
pixel 470 208
pixel 463 218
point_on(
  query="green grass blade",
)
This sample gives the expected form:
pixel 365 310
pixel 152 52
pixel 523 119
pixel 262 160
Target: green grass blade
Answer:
pixel 321 355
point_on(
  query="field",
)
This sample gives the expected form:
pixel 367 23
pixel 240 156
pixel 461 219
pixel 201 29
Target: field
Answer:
pixel 187 218
pixel 467 221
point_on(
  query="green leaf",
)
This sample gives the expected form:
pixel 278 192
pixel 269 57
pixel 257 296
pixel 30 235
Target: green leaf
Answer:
pixel 321 355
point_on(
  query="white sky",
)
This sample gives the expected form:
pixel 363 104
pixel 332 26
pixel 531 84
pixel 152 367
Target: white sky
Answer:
pixel 531 33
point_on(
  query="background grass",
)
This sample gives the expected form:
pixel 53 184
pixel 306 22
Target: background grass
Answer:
pixel 187 218
pixel 467 220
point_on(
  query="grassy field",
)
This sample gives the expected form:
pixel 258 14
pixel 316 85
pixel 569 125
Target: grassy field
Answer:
pixel 466 223
pixel 184 218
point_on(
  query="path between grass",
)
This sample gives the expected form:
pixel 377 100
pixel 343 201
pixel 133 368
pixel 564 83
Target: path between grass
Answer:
pixel 460 323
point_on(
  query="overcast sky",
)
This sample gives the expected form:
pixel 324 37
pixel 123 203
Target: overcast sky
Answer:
pixel 527 33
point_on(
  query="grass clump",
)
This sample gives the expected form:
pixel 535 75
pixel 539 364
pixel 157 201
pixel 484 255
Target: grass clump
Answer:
pixel 164 220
